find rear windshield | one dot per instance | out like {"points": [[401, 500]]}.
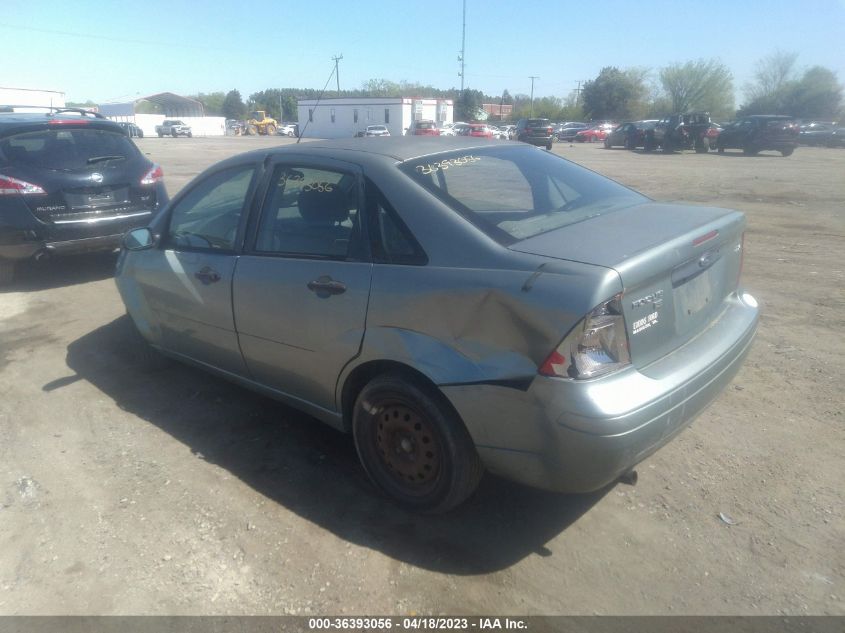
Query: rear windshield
{"points": [[538, 122], [67, 149], [518, 192], [425, 125]]}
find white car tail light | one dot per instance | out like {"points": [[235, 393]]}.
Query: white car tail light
{"points": [[596, 346]]}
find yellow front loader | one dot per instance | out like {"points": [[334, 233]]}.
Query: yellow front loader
{"points": [[260, 123]]}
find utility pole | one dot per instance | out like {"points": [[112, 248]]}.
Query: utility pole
{"points": [[463, 45], [578, 92], [532, 78], [336, 71]]}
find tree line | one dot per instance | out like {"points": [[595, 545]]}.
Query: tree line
{"points": [[778, 87]]}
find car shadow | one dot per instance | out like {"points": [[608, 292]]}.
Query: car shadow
{"points": [[313, 470], [58, 272]]}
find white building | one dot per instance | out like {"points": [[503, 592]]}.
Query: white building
{"points": [[172, 106], [346, 117], [32, 97]]}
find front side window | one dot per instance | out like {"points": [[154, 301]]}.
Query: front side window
{"points": [[207, 218], [517, 192], [310, 212]]}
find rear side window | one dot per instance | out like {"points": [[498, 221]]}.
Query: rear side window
{"points": [[515, 193], [311, 212], [390, 240], [70, 149]]}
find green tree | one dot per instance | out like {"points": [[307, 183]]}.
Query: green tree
{"points": [[467, 105], [212, 102], [771, 75], [817, 95], [699, 85], [614, 94], [233, 106]]}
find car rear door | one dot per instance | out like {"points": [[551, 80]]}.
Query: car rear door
{"points": [[302, 286], [186, 282]]}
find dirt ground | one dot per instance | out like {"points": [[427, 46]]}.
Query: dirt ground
{"points": [[130, 491]]}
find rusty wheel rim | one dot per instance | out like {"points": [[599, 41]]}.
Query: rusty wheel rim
{"points": [[407, 447]]}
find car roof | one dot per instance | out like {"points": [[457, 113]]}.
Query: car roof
{"points": [[31, 121], [363, 149]]}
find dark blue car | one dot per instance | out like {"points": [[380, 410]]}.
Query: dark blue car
{"points": [[70, 181]]}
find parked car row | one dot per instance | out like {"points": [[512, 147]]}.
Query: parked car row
{"points": [[695, 131], [828, 134]]}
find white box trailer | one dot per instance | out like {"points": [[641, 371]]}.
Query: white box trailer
{"points": [[346, 117]]}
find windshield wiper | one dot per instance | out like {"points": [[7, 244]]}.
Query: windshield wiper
{"points": [[100, 159]]}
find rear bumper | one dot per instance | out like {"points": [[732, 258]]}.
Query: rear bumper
{"points": [[578, 436], [541, 141], [20, 244]]}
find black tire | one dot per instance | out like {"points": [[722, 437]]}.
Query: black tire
{"points": [[648, 144], [413, 446], [7, 272], [787, 152], [702, 146], [549, 146], [629, 145], [140, 133]]}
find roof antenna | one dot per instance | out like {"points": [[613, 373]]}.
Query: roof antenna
{"points": [[331, 74]]}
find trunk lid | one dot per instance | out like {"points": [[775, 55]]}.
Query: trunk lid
{"points": [[677, 264]]}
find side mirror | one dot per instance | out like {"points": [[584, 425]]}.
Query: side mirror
{"points": [[138, 240]]}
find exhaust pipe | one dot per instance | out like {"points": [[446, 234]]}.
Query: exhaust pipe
{"points": [[629, 478]]}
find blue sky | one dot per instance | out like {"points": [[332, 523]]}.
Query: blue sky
{"points": [[110, 50]]}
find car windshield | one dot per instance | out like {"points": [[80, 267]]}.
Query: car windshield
{"points": [[518, 192], [425, 125], [67, 149]]}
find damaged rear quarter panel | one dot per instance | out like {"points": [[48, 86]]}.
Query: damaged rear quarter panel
{"points": [[461, 326]]}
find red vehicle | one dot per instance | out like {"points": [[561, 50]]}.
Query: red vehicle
{"points": [[591, 135], [424, 128], [477, 130]]}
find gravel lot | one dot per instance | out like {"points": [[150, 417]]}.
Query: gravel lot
{"points": [[130, 491]]}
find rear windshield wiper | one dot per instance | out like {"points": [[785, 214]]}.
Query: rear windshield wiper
{"points": [[100, 159]]}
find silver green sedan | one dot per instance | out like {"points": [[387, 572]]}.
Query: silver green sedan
{"points": [[456, 305]]}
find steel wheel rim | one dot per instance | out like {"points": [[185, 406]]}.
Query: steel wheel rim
{"points": [[407, 448]]}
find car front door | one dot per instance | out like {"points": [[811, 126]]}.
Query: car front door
{"points": [[302, 285], [186, 281]]}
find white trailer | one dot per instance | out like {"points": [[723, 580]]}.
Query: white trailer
{"points": [[347, 117]]}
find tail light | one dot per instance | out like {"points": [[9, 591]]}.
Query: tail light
{"points": [[548, 130], [596, 346], [154, 175], [11, 186]]}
